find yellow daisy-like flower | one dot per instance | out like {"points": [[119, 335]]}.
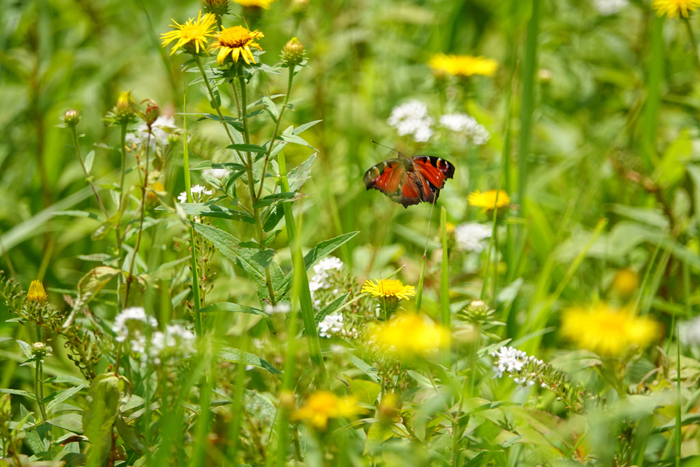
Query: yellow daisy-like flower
{"points": [[489, 199], [193, 33], [36, 292], [324, 405], [389, 288], [409, 335], [463, 65], [607, 330], [675, 8], [236, 41], [264, 4]]}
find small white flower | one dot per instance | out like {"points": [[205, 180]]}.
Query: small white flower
{"points": [[609, 7], [198, 192], [217, 173], [176, 341], [469, 236], [331, 324], [133, 315], [160, 133], [412, 119], [322, 272], [467, 126]]}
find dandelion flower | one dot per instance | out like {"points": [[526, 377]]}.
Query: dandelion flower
{"points": [[192, 33], [463, 65], [489, 200], [675, 8], [409, 336], [264, 4], [607, 330], [389, 288], [36, 292], [237, 42], [324, 405]]}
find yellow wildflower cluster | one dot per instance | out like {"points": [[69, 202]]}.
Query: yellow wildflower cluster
{"points": [[606, 330], [409, 335], [489, 200], [389, 288], [675, 8], [193, 33], [324, 405], [462, 65], [237, 42]]}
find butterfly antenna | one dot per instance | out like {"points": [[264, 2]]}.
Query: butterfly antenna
{"points": [[384, 146]]}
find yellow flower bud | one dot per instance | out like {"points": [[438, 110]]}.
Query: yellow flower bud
{"points": [[293, 53], [36, 292]]}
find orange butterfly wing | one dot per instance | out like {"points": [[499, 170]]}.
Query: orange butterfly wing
{"points": [[434, 169]]}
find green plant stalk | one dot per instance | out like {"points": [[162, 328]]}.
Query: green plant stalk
{"points": [[237, 407], [305, 302], [39, 387], [251, 187], [528, 102], [445, 317], [277, 129], [188, 191], [74, 132], [213, 100], [419, 289], [679, 437], [693, 41], [651, 109], [199, 456]]}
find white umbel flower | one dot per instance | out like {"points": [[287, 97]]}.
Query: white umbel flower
{"points": [[469, 236], [161, 130], [331, 324], [412, 119], [609, 7], [511, 360], [217, 173], [466, 126]]}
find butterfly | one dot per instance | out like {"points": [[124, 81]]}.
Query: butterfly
{"points": [[410, 180]]}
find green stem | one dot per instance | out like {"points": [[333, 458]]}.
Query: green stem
{"points": [[251, 187], [188, 191], [445, 281], [74, 132], [277, 129], [419, 290], [213, 99], [39, 388], [305, 302]]}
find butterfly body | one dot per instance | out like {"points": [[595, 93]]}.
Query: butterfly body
{"points": [[410, 180]]}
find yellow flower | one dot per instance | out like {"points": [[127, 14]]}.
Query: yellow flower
{"points": [[607, 330], [675, 8], [36, 292], [236, 41], [462, 65], [389, 288], [324, 405], [625, 282], [409, 335], [489, 200], [255, 3], [192, 33]]}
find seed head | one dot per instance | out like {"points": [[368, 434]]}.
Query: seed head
{"points": [[293, 53]]}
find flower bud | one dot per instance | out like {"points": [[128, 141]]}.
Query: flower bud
{"points": [[39, 349], [476, 312], [293, 53], [124, 104], [71, 118], [36, 292], [216, 7], [152, 113]]}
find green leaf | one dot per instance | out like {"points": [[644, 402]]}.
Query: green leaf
{"points": [[101, 411], [377, 434], [247, 148], [233, 308], [238, 356], [219, 165], [258, 405], [274, 217], [130, 436], [296, 140], [17, 392], [365, 391], [70, 421], [331, 308], [271, 108], [269, 199], [77, 214], [89, 160], [88, 287], [300, 174], [301, 128], [101, 232], [365, 368], [59, 396], [212, 210]]}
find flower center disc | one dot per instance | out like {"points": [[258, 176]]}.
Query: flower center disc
{"points": [[234, 37]]}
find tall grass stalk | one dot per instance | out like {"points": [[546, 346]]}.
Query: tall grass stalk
{"points": [[651, 109], [445, 317]]}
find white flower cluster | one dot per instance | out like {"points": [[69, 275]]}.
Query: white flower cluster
{"points": [[469, 236], [331, 324], [217, 173], [161, 130], [466, 126], [198, 192], [692, 332], [176, 340], [322, 272], [511, 360], [412, 119], [609, 7], [134, 324]]}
